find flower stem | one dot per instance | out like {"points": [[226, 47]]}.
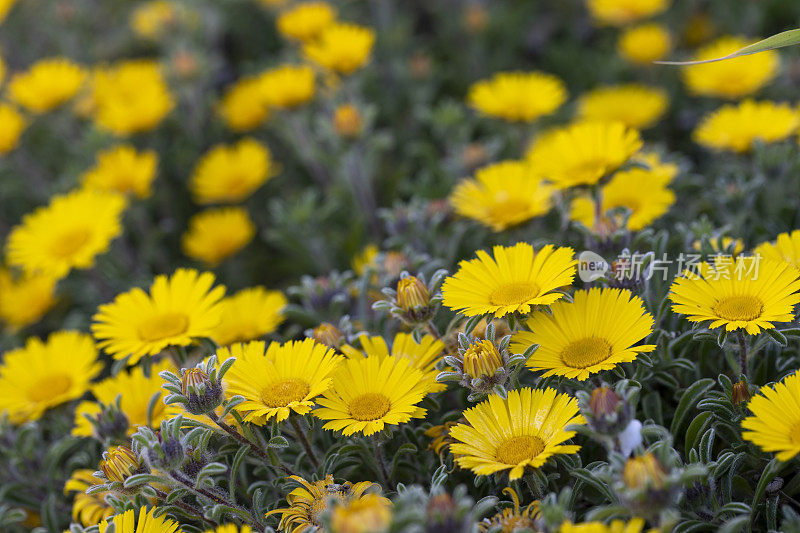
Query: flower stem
{"points": [[301, 436], [381, 459], [190, 509], [431, 327], [216, 498], [742, 351], [244, 440]]}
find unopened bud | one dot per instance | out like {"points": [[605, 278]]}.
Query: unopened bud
{"points": [[347, 121], [412, 294], [202, 393], [328, 334], [482, 359], [740, 392], [119, 463], [644, 471], [604, 401]]}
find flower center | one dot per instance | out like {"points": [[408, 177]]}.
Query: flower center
{"points": [[282, 393], [50, 387], [369, 406], [514, 293], [69, 242], [743, 307], [518, 449], [586, 352], [163, 326]]}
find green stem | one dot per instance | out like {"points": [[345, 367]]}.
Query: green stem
{"points": [[742, 351], [191, 510], [216, 498], [381, 459], [244, 440], [301, 436]]}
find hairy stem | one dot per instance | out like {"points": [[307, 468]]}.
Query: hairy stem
{"points": [[301, 436]]}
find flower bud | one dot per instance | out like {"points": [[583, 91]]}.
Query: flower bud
{"points": [[167, 454], [740, 392], [202, 393], [328, 334], [347, 121], [119, 463], [604, 401], [370, 513], [412, 294], [482, 359], [644, 472]]}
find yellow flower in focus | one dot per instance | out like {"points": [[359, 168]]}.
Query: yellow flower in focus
{"points": [[347, 121], [286, 86], [47, 84], [644, 44], [369, 393], [12, 125], [733, 78], [521, 431], [750, 293], [503, 195], [774, 425], [440, 437], [87, 509], [231, 173], [178, 309], [217, 234], [124, 170], [305, 20], [5, 7], [342, 48], [515, 280], [518, 96], [584, 152], [786, 248], [635, 525], [25, 298], [622, 12], [147, 523], [249, 314], [636, 106], [131, 97], [69, 233], [151, 19], [136, 392], [280, 379], [371, 513], [738, 127], [42, 375], [242, 107], [576, 341]]}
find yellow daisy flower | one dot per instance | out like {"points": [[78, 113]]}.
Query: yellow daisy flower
{"points": [[87, 509], [523, 430], [584, 152], [278, 379], [286, 86], [231, 173], [661, 172], [306, 20], [644, 44], [177, 310], [512, 519], [130, 97], [216, 234], [518, 96], [622, 12], [751, 293], [342, 48], [369, 514], [136, 391], [47, 84], [230, 528], [513, 281], [124, 170], [69, 233], [503, 195], [720, 244], [249, 314], [422, 355], [732, 78], [5, 7], [774, 425], [637, 190], [24, 299], [150, 20], [368, 393], [45, 374], [637, 106], [366, 259], [242, 106], [147, 523], [635, 525], [738, 127], [312, 498], [595, 332], [12, 124], [786, 248]]}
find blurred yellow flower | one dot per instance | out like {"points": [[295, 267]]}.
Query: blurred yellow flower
{"points": [[130, 97], [343, 48], [644, 44], [518, 96], [12, 125], [24, 299], [347, 121], [150, 19], [217, 234], [622, 12], [2, 69], [87, 509], [124, 170], [178, 309], [372, 513], [660, 171], [249, 314], [305, 20], [738, 128], [733, 78], [367, 258], [47, 84], [5, 7], [637, 106], [503, 195], [243, 106], [635, 525], [584, 152], [231, 173], [786, 248], [69, 233], [286, 86], [42, 375]]}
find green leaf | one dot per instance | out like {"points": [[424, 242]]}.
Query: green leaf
{"points": [[780, 40], [593, 481], [689, 399], [778, 337], [769, 473], [697, 426]]}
